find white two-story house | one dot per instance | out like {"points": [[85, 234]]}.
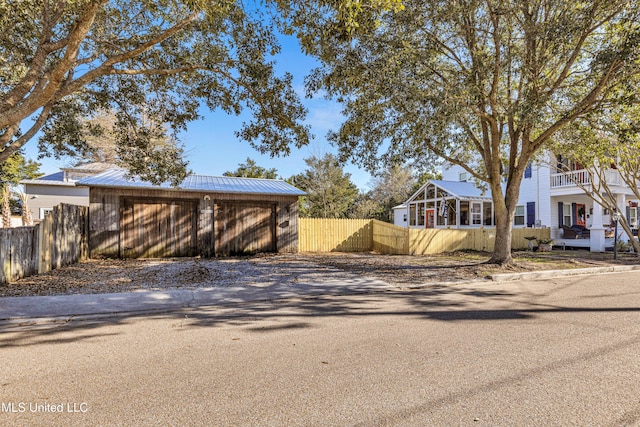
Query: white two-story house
{"points": [[547, 199], [572, 208]]}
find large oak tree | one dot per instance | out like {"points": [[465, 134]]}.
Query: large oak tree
{"points": [[157, 60], [481, 83], [154, 62]]}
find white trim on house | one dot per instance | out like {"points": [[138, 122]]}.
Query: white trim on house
{"points": [[449, 204]]}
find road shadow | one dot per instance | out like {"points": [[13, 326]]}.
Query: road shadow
{"points": [[459, 303]]}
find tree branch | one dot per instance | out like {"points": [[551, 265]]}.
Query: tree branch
{"points": [[446, 50], [24, 138], [37, 65], [106, 67], [495, 20], [586, 104], [27, 106], [577, 49], [8, 134]]}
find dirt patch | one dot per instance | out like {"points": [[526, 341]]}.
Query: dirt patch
{"points": [[105, 276], [406, 270], [128, 275]]}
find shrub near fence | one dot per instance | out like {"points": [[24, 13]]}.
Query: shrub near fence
{"points": [[59, 239], [328, 235]]}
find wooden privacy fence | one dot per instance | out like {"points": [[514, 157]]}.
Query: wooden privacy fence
{"points": [[59, 239], [390, 239], [329, 234], [348, 235], [433, 241]]}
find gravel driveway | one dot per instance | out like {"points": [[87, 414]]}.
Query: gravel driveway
{"points": [[115, 275], [125, 275]]}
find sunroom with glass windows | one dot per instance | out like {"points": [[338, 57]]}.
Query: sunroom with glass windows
{"points": [[450, 204]]}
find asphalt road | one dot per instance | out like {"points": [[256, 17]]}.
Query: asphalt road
{"points": [[564, 351]]}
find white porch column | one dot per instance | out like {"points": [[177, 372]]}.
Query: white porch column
{"points": [[597, 229]]}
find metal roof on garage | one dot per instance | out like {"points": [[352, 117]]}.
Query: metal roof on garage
{"points": [[119, 178]]}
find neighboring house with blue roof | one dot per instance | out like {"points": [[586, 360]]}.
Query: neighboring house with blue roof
{"points": [[50, 190], [204, 215]]}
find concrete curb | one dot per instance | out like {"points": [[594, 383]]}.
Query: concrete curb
{"points": [[443, 284], [32, 310], [531, 275], [39, 310], [7, 323], [549, 274]]}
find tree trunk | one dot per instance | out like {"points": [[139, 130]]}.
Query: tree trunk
{"points": [[27, 218], [502, 248], [504, 205], [6, 207]]}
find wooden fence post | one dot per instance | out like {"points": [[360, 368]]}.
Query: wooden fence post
{"points": [[5, 255]]}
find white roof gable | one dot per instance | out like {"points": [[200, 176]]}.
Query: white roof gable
{"points": [[458, 189]]}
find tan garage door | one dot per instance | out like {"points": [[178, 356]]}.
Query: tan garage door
{"points": [[245, 228], [158, 228]]}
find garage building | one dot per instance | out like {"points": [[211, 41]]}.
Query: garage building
{"points": [[204, 215]]}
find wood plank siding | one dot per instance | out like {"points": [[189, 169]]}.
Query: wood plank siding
{"points": [[245, 227], [155, 223], [152, 228]]}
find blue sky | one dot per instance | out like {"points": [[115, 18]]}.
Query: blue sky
{"points": [[212, 148]]}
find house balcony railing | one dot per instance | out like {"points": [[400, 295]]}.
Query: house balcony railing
{"points": [[570, 179], [582, 177]]}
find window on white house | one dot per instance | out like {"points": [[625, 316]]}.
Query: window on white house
{"points": [[463, 177], [633, 217], [566, 215], [476, 213], [488, 213], [420, 215], [464, 213], [519, 217], [431, 192], [451, 215], [412, 214]]}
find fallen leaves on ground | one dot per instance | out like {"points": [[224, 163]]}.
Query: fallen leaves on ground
{"points": [[127, 275]]}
